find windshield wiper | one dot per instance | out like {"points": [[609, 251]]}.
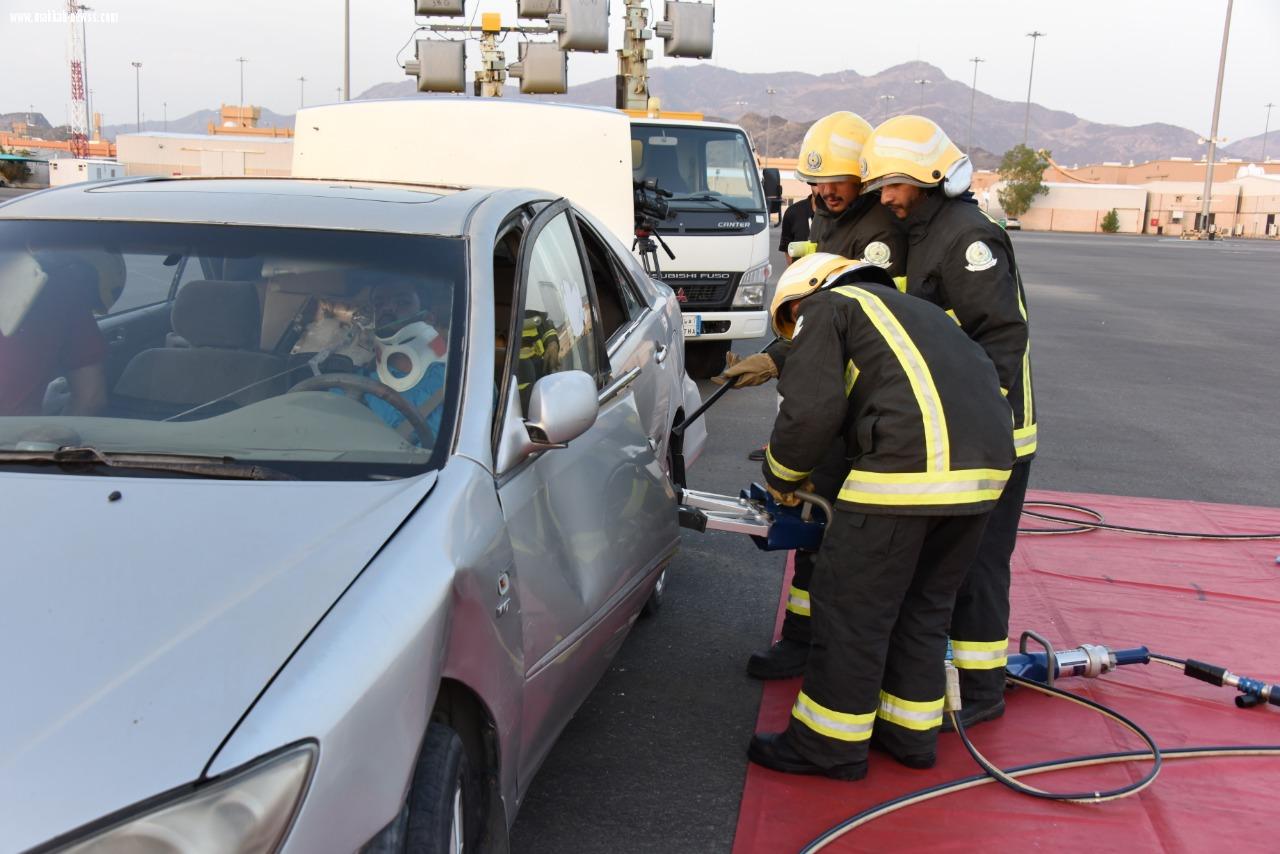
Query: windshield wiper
{"points": [[707, 197], [191, 464]]}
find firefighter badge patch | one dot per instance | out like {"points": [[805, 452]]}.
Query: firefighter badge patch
{"points": [[877, 253], [979, 257], [814, 160]]}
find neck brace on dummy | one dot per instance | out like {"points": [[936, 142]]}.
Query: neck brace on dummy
{"points": [[420, 343]]}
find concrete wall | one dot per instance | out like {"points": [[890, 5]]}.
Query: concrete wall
{"points": [[196, 154]]}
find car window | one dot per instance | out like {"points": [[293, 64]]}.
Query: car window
{"points": [[558, 330], [358, 376], [615, 294], [148, 279]]}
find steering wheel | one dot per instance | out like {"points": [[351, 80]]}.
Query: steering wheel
{"points": [[355, 386]]}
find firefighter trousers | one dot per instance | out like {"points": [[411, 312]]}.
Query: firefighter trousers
{"points": [[980, 624], [883, 590], [827, 479]]}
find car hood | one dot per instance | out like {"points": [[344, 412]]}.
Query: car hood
{"points": [[138, 629]]}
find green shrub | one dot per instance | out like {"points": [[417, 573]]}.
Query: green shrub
{"points": [[1111, 222]]}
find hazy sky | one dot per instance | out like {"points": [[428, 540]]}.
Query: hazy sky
{"points": [[1122, 61]]}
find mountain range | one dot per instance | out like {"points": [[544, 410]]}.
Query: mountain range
{"points": [[777, 122]]}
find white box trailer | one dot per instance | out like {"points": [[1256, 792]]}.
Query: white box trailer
{"points": [[73, 170]]}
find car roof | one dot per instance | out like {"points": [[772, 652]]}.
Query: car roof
{"points": [[285, 202]]}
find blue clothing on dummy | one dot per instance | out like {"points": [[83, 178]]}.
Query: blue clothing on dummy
{"points": [[432, 381]]}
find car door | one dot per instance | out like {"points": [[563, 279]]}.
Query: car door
{"points": [[589, 521], [637, 336]]}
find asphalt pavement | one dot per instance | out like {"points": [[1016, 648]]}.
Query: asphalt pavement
{"points": [[1156, 375]]}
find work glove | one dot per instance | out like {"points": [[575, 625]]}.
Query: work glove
{"points": [[790, 499], [756, 369]]}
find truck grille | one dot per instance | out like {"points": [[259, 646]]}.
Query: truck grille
{"points": [[701, 290]]}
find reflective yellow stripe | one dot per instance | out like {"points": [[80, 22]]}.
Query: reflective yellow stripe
{"points": [[833, 724], [951, 313], [937, 445], [1004, 392], [1024, 440], [911, 714], [798, 602], [979, 655], [850, 377], [781, 471], [964, 486], [900, 282]]}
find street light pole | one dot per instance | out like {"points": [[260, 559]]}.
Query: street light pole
{"points": [[1213, 130], [302, 92], [84, 71], [137, 91], [884, 101], [242, 61], [973, 96], [768, 132], [346, 51], [922, 83], [1034, 35], [1266, 131]]}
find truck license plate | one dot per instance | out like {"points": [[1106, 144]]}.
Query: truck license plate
{"points": [[692, 325]]}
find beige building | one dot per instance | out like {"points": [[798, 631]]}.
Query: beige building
{"points": [[198, 154], [1168, 169]]}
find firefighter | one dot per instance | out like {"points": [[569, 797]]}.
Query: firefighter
{"points": [[919, 409], [853, 225], [962, 261]]}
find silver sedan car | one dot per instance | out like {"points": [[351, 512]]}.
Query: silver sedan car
{"points": [[323, 507]]}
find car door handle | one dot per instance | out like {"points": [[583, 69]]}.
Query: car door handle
{"points": [[660, 354]]}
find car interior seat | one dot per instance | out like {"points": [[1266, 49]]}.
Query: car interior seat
{"points": [[222, 321]]}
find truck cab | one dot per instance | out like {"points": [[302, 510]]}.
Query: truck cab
{"points": [[718, 228]]}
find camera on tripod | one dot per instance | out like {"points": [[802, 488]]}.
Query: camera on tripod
{"points": [[651, 205]]}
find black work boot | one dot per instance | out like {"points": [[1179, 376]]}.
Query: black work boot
{"points": [[784, 659], [918, 761], [772, 750], [973, 714]]}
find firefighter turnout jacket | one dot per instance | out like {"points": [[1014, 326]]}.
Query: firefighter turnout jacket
{"points": [[918, 404], [865, 229], [962, 261]]}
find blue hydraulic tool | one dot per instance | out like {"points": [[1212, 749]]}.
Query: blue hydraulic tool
{"points": [[771, 526], [1088, 660]]}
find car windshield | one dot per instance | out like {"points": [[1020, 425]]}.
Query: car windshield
{"points": [[697, 165], [323, 354]]}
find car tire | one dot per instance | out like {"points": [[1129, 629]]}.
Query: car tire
{"points": [[653, 604], [705, 359], [444, 800]]}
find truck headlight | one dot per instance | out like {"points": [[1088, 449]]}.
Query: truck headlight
{"points": [[751, 286], [248, 811]]}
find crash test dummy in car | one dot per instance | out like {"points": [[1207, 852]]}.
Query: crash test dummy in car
{"points": [[919, 410], [963, 262]]}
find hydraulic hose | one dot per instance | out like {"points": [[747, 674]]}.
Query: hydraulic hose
{"points": [[1080, 526], [1095, 797], [910, 799]]}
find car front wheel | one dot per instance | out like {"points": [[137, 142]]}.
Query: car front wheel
{"points": [[444, 803]]}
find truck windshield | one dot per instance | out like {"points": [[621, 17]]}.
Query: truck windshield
{"points": [[698, 165], [144, 338]]}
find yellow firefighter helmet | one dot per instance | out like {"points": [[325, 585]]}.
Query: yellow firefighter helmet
{"points": [[809, 275], [914, 150], [832, 147]]}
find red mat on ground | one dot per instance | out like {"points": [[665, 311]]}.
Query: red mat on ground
{"points": [[1210, 600]]}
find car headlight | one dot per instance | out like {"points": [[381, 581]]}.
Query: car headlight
{"points": [[751, 286], [250, 810]]}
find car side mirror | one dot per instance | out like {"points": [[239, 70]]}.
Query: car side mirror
{"points": [[562, 407]]}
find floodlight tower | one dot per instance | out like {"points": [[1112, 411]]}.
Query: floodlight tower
{"points": [[687, 31], [79, 119]]}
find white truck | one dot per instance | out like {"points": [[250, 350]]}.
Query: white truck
{"points": [[718, 229]]}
